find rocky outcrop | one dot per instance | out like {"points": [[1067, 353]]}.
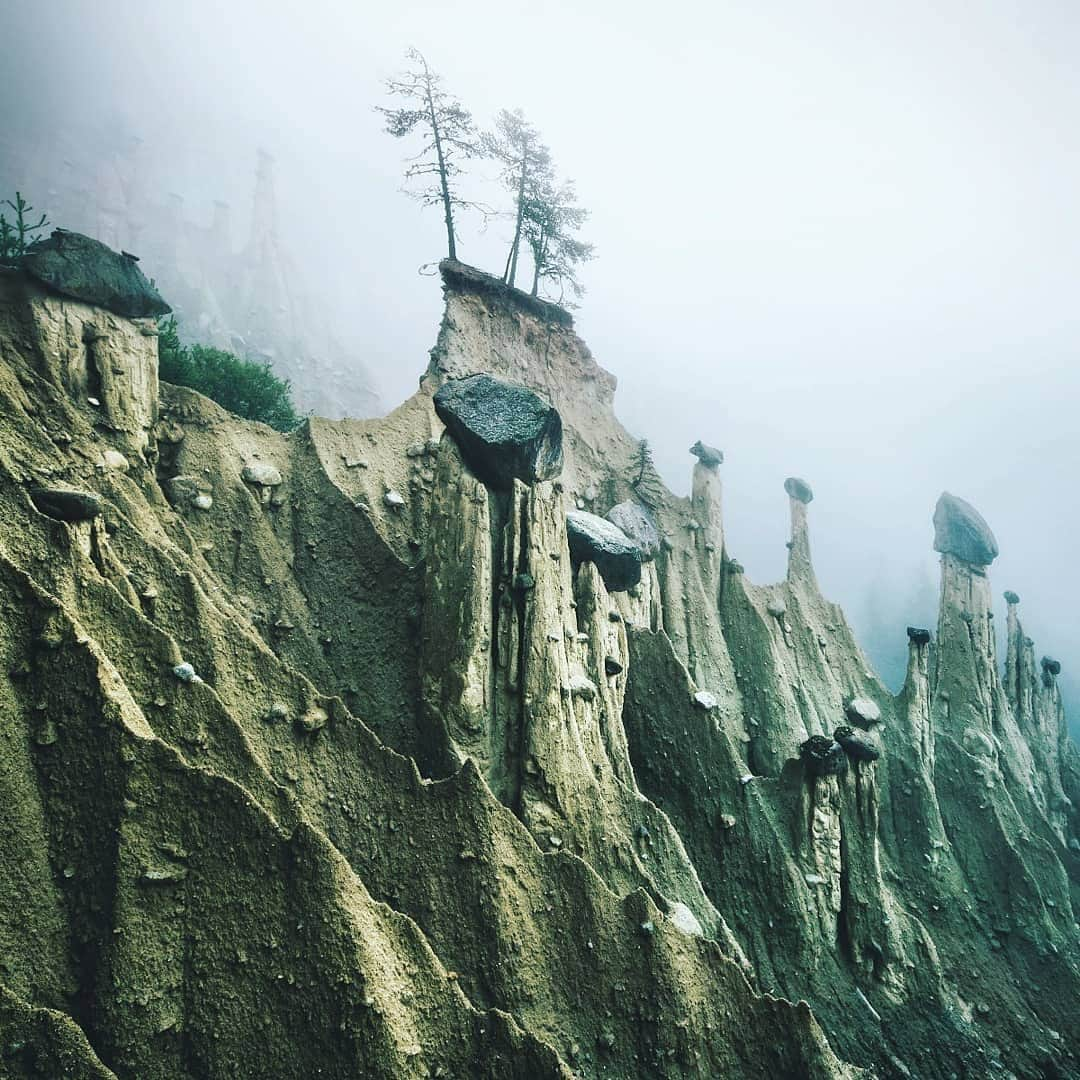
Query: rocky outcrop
{"points": [[84, 269]]}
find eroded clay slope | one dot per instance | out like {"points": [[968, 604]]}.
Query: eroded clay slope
{"points": [[212, 865]]}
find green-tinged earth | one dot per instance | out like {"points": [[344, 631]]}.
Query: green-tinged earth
{"points": [[321, 758]]}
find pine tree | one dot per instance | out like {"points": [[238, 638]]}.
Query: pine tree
{"points": [[526, 165], [550, 219], [448, 134], [642, 475], [17, 236]]}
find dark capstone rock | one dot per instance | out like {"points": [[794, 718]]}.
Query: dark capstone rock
{"points": [[822, 756], [1051, 666], [84, 269], [918, 635], [707, 455], [504, 430], [65, 504], [799, 489], [593, 539], [612, 666], [856, 748], [960, 530], [639, 525], [1011, 597]]}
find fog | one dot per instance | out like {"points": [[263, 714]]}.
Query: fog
{"points": [[838, 240]]}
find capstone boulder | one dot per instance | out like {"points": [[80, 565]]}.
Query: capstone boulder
{"points": [[596, 540], [639, 525], [504, 430], [960, 530], [86, 269]]}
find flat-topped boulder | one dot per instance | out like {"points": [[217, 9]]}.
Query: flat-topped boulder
{"points": [[85, 269], [960, 530], [596, 540], [504, 430], [639, 525]]}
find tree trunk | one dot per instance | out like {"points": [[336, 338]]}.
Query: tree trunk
{"points": [[520, 216], [443, 183]]}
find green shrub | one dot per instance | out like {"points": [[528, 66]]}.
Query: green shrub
{"points": [[244, 387]]}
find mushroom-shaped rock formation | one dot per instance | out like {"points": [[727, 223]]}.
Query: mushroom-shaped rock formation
{"points": [[504, 430], [639, 526], [918, 635], [856, 747], [66, 504], [960, 530], [862, 711], [823, 756], [1051, 666], [707, 455], [593, 539], [799, 490], [1011, 597], [84, 269]]}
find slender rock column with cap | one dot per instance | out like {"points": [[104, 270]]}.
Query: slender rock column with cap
{"points": [[707, 504], [800, 566]]}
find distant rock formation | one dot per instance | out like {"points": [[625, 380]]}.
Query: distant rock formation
{"points": [[251, 301], [960, 530]]}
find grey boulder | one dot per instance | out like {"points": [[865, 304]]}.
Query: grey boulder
{"points": [[593, 539], [707, 455], [960, 530], [638, 524], [504, 430], [799, 489], [85, 269]]}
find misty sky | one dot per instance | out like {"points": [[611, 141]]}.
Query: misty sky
{"points": [[839, 240]]}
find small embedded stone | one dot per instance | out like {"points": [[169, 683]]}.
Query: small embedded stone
{"points": [[277, 712], [313, 720], [186, 673], [66, 504], [262, 473], [582, 687], [612, 666], [705, 699], [113, 459], [863, 712], [394, 499]]}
